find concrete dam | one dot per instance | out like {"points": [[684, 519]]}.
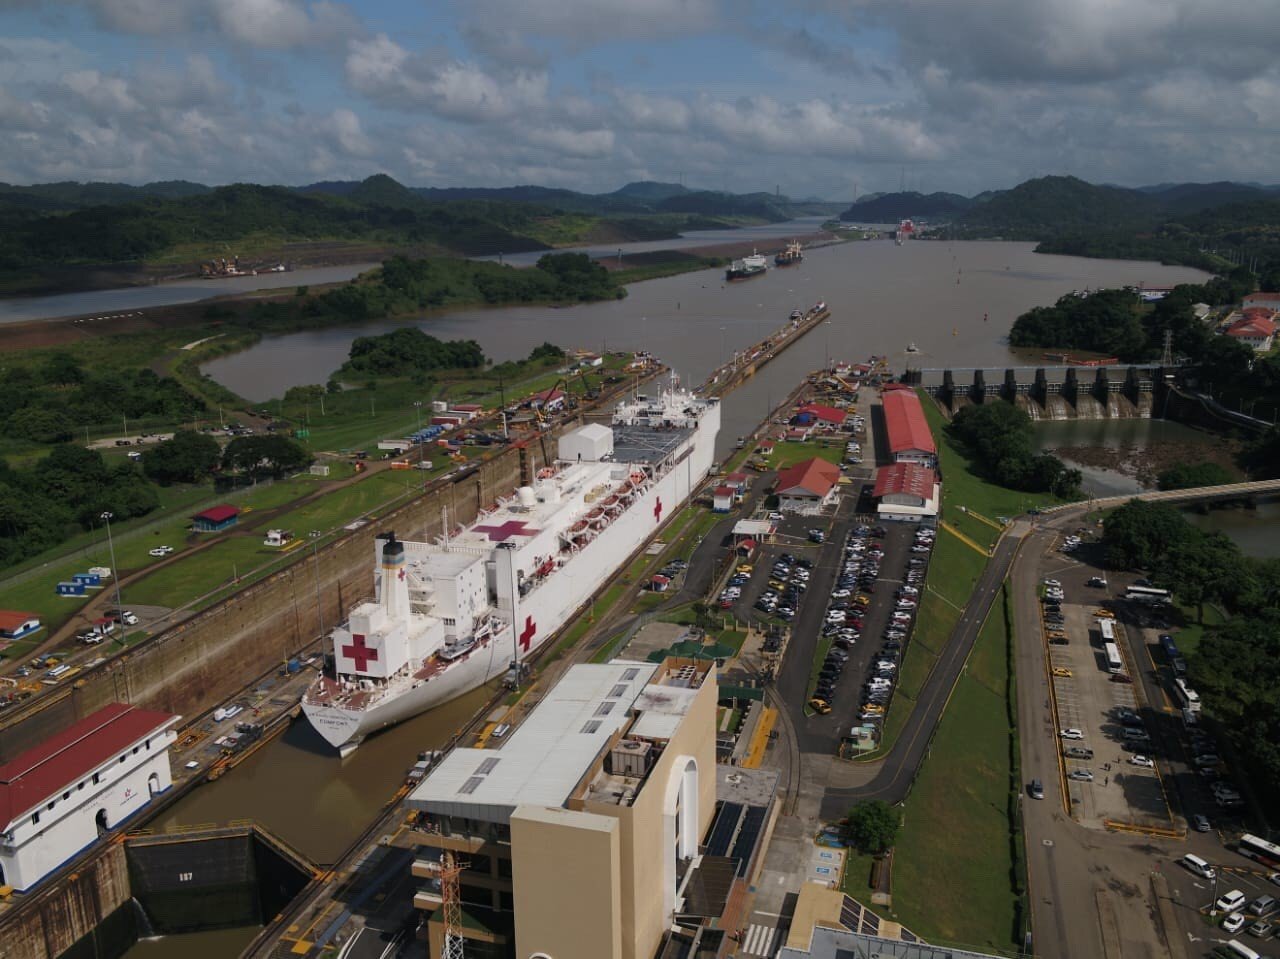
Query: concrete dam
{"points": [[1053, 392]]}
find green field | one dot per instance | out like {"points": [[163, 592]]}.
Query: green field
{"points": [[788, 454], [954, 861]]}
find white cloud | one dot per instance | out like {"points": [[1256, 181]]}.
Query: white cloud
{"points": [[574, 143], [581, 23], [384, 71]]}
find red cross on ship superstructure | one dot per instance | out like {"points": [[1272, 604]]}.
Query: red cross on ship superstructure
{"points": [[358, 651], [657, 511], [504, 531], [526, 635]]}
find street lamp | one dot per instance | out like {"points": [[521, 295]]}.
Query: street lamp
{"points": [[115, 572], [417, 406]]}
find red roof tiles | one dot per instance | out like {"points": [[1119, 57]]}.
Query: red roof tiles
{"points": [[218, 514], [11, 619], [814, 477], [41, 772], [828, 414], [905, 423], [905, 478]]}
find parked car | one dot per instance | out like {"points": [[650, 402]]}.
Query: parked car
{"points": [[161, 551]]}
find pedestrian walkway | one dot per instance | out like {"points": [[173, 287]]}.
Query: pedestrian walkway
{"points": [[761, 940]]}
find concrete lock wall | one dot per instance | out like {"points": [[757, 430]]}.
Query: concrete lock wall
{"points": [[195, 665], [48, 924]]}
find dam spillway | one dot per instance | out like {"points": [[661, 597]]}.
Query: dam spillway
{"points": [[1050, 392]]}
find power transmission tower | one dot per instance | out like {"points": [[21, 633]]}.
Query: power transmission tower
{"points": [[1166, 358]]}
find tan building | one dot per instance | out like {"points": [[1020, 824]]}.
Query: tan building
{"points": [[579, 827]]}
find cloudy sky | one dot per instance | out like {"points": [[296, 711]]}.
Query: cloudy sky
{"points": [[815, 96]]}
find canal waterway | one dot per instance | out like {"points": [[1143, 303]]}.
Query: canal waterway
{"points": [[954, 301], [882, 297], [105, 302]]}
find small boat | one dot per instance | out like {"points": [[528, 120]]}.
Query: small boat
{"points": [[912, 348]]}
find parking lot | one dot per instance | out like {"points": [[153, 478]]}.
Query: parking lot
{"points": [[870, 590], [1109, 763]]}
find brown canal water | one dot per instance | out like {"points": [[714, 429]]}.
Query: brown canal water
{"points": [[882, 297]]}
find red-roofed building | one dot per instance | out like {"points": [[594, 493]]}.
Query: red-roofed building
{"points": [[831, 415], [723, 498], [807, 487], [215, 518], [1257, 329], [910, 440], [905, 491], [14, 624], [59, 796], [1269, 300], [548, 400]]}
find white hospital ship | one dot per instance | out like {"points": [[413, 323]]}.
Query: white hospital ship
{"points": [[453, 614]]}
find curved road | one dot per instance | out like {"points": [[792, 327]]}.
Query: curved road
{"points": [[895, 773]]}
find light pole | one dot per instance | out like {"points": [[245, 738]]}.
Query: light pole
{"points": [[115, 574], [417, 406]]}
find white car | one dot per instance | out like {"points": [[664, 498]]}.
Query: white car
{"points": [[1081, 775], [161, 551], [1144, 761], [1231, 901], [1233, 922], [1071, 733], [1052, 582]]}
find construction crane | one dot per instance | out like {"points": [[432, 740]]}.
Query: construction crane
{"points": [[451, 904]]}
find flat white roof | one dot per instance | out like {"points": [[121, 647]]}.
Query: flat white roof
{"points": [[663, 709], [543, 760], [752, 527]]}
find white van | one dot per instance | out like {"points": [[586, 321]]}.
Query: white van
{"points": [[1238, 948], [1199, 866]]}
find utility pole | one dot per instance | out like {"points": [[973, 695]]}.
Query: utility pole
{"points": [[115, 574]]}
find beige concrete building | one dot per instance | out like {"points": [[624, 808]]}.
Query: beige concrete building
{"points": [[579, 827]]}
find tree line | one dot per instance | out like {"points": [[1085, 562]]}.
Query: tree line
{"points": [[1236, 669], [1000, 441]]}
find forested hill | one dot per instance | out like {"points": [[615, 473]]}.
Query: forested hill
{"points": [[61, 226], [888, 207]]}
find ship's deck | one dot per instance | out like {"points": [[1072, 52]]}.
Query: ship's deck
{"points": [[644, 444]]}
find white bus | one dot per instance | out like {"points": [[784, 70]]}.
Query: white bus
{"points": [[1148, 594], [1107, 628], [1114, 663], [1259, 850], [1187, 697]]}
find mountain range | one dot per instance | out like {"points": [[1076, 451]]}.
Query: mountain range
{"points": [[1054, 205]]}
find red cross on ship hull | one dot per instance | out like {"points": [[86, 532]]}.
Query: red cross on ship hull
{"points": [[526, 635], [362, 655], [504, 531], [657, 511]]}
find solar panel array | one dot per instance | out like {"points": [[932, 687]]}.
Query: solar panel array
{"points": [[748, 836], [724, 828]]}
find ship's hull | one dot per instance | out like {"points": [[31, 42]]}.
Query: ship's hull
{"points": [[781, 260], [549, 606], [744, 274]]}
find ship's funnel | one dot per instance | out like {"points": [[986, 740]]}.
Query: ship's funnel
{"points": [[395, 588]]}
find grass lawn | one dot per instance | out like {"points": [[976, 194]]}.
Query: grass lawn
{"points": [[788, 454], [1189, 637], [953, 860]]}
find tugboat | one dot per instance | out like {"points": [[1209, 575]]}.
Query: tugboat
{"points": [[748, 266], [912, 348], [794, 253]]}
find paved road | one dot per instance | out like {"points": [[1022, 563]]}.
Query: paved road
{"points": [[895, 772]]}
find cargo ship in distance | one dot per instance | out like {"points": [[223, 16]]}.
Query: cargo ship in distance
{"points": [[748, 266], [451, 615], [793, 254]]}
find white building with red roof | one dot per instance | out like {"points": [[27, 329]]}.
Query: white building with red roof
{"points": [[910, 439], [906, 492], [61, 795], [1256, 328], [807, 487], [1270, 301]]}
